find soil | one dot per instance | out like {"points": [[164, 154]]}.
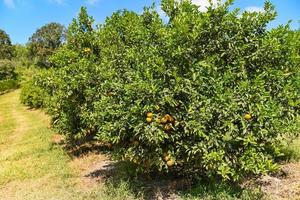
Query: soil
{"points": [[283, 186]]}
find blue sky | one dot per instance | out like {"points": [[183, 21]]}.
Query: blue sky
{"points": [[21, 18]]}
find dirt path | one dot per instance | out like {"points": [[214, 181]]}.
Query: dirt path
{"points": [[285, 187]]}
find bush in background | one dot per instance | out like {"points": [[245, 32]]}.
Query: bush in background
{"points": [[8, 76]]}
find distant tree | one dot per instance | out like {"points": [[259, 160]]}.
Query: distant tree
{"points": [[45, 41], [21, 55], [6, 48]]}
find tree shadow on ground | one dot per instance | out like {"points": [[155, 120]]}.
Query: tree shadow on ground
{"points": [[156, 185], [168, 186]]}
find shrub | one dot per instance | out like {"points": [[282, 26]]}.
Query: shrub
{"points": [[6, 85], [213, 93], [32, 95], [8, 76], [7, 70], [36, 93]]}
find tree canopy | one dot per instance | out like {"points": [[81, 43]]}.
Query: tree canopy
{"points": [[6, 47], [45, 41]]}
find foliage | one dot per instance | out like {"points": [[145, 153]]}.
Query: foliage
{"points": [[6, 48], [21, 56], [33, 93], [32, 96], [7, 70], [8, 76], [7, 85], [45, 41], [213, 93]]}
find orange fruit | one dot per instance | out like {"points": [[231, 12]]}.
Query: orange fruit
{"points": [[247, 116], [170, 163], [87, 50], [158, 121], [167, 158], [148, 119], [109, 145], [149, 114], [165, 154], [169, 118], [163, 120]]}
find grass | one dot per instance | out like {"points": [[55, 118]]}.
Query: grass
{"points": [[221, 191], [33, 168]]}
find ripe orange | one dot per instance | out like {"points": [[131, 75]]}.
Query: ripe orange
{"points": [[158, 120], [170, 118], [149, 120], [247, 116], [149, 114], [163, 120], [87, 50], [165, 154], [167, 158], [170, 163]]}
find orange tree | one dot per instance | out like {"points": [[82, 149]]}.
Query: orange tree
{"points": [[210, 92]]}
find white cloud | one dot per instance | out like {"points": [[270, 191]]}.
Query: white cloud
{"points": [[92, 2], [9, 3], [204, 4], [254, 9]]}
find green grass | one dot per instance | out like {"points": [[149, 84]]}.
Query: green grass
{"points": [[292, 151], [31, 167], [221, 191]]}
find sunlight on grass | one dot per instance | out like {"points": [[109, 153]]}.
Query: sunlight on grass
{"points": [[31, 167]]}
